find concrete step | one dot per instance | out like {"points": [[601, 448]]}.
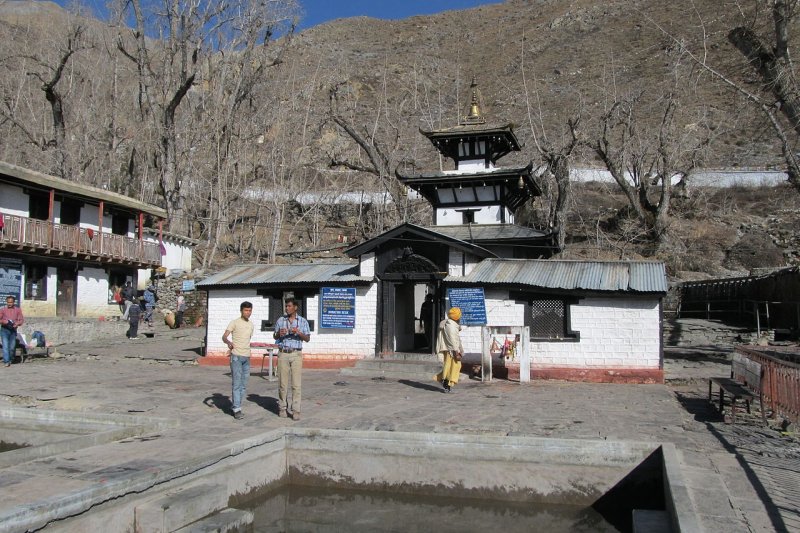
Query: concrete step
{"points": [[229, 520], [409, 356], [393, 369], [176, 509], [645, 521]]}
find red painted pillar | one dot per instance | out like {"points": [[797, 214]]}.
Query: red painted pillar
{"points": [[51, 217], [100, 225]]}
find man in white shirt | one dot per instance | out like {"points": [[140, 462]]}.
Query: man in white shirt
{"points": [[240, 332]]}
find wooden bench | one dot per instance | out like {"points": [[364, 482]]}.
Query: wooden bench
{"points": [[31, 352], [745, 383]]}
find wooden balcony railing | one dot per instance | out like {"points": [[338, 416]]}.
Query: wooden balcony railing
{"points": [[65, 240]]}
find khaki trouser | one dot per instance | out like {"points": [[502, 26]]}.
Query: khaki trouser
{"points": [[290, 366]]}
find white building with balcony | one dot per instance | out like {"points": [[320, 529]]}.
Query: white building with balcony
{"points": [[64, 247]]}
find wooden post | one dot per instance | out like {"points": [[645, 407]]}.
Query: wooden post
{"points": [[758, 318], [141, 233], [51, 217], [100, 224]]}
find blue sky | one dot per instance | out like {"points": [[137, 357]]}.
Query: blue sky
{"points": [[319, 11]]}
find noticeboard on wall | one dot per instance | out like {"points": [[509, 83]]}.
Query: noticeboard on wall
{"points": [[338, 308], [187, 285], [10, 278], [472, 303]]}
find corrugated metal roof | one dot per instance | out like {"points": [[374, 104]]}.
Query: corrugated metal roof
{"points": [[296, 274], [487, 232], [83, 191], [604, 276]]}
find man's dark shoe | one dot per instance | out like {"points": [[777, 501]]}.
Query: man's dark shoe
{"points": [[238, 415]]}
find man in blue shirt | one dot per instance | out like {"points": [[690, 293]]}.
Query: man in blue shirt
{"points": [[290, 331]]}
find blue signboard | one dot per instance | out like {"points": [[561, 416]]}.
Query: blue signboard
{"points": [[472, 303], [10, 278], [188, 285], [338, 307]]}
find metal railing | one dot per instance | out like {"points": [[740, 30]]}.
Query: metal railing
{"points": [[781, 382], [65, 239]]}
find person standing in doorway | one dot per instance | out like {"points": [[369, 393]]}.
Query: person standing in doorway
{"points": [[426, 316], [448, 343], [240, 332], [290, 331], [10, 319], [180, 308]]}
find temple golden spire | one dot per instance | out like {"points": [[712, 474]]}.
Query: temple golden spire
{"points": [[474, 116]]}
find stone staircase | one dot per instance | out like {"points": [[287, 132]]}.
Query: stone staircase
{"points": [[696, 331], [394, 366], [196, 509]]}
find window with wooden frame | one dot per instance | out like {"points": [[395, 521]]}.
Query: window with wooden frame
{"points": [[277, 308], [36, 282], [548, 317]]}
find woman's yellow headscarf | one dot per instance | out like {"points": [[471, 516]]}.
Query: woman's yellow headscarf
{"points": [[454, 313]]}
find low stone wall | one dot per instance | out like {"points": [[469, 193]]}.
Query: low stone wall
{"points": [[699, 332], [58, 331], [196, 301]]}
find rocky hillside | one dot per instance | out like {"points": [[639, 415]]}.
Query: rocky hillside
{"points": [[538, 63]]}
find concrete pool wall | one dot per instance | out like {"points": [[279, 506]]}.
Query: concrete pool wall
{"points": [[206, 485]]}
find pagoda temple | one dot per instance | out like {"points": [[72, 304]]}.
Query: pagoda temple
{"points": [[583, 320], [476, 201]]}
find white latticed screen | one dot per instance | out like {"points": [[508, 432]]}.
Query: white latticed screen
{"points": [[548, 319]]}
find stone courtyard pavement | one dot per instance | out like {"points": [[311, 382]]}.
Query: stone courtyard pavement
{"points": [[741, 477]]}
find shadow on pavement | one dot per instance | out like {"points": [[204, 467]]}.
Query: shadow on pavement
{"points": [[418, 385], [220, 401], [267, 403], [708, 414]]}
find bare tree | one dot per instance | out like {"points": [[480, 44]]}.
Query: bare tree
{"points": [[192, 37], [645, 160], [764, 38], [49, 73], [557, 156], [380, 151]]}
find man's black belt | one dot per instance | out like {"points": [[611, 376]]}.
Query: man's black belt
{"points": [[289, 350]]}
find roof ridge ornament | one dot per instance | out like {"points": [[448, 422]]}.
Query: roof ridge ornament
{"points": [[474, 116]]}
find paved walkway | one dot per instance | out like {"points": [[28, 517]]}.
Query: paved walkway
{"points": [[741, 478]]}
